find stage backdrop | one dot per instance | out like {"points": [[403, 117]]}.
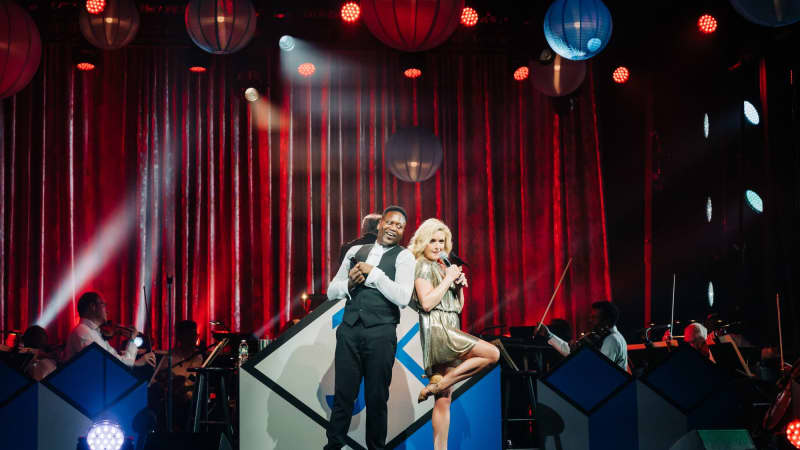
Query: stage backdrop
{"points": [[139, 172]]}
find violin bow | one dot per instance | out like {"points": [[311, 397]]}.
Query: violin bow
{"points": [[780, 331], [553, 297]]}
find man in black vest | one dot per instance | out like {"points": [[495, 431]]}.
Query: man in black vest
{"points": [[377, 280]]}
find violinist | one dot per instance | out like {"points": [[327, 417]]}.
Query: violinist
{"points": [[604, 335], [185, 355], [93, 314], [43, 362]]}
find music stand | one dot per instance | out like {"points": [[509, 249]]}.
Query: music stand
{"points": [[643, 356], [727, 354]]}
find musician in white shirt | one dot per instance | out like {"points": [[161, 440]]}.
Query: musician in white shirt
{"points": [[92, 311], [603, 320]]}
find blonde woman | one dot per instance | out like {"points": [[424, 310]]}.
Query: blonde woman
{"points": [[449, 354]]}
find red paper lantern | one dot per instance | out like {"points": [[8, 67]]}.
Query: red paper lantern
{"points": [[112, 28], [220, 26], [412, 25], [21, 49]]}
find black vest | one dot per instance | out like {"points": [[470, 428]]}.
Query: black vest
{"points": [[368, 304]]}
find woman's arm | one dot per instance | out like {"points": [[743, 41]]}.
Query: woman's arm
{"points": [[430, 296]]}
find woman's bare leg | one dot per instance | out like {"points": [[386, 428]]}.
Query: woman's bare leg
{"points": [[482, 355], [441, 419]]}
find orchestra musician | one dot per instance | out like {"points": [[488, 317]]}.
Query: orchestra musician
{"points": [[93, 314], [185, 355], [43, 362], [696, 335], [604, 335]]}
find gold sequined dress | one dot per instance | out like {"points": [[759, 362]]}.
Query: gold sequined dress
{"points": [[443, 342]]}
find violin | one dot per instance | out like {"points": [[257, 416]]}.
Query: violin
{"points": [[594, 338], [111, 329]]}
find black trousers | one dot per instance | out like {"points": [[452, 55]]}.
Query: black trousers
{"points": [[368, 353]]}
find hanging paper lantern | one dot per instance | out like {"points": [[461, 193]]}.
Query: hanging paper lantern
{"points": [[220, 26], [112, 28], [577, 29], [412, 25], [20, 49], [556, 76], [413, 154], [769, 13]]}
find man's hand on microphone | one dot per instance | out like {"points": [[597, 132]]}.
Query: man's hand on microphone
{"points": [[356, 277], [364, 268]]}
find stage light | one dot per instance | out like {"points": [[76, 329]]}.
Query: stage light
{"points": [[793, 433], [85, 58], [751, 113], [469, 17], [521, 74], [707, 24], [350, 12], [709, 209], [621, 75], [95, 6], [754, 201], [85, 66], [251, 94], [105, 435], [705, 126], [197, 69], [412, 73], [710, 293], [306, 69], [286, 43]]}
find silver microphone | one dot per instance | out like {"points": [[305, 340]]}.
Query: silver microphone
{"points": [[445, 258]]}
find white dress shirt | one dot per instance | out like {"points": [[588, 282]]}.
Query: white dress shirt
{"points": [[397, 291], [614, 347], [87, 332]]}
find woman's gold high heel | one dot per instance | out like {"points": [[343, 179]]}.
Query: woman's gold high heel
{"points": [[427, 391], [435, 380]]}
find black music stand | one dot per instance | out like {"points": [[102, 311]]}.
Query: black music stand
{"points": [[728, 355], [643, 357]]}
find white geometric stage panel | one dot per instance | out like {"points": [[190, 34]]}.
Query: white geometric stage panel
{"points": [[299, 367], [60, 424]]}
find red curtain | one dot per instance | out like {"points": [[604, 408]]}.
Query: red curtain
{"points": [[139, 172]]}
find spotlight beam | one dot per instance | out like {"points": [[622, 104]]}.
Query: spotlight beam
{"points": [[103, 247]]}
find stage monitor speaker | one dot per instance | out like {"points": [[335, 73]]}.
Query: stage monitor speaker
{"points": [[715, 440], [188, 441]]}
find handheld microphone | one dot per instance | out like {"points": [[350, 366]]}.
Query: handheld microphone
{"points": [[445, 258]]}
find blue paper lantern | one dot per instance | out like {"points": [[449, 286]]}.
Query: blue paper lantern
{"points": [[769, 13], [577, 29]]}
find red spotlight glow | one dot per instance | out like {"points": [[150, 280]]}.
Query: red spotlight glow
{"points": [[350, 12], [707, 24], [95, 6], [521, 73], [793, 433], [469, 17], [85, 66], [621, 75], [197, 69], [412, 73], [306, 69]]}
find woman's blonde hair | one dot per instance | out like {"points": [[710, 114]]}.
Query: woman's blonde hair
{"points": [[422, 237]]}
